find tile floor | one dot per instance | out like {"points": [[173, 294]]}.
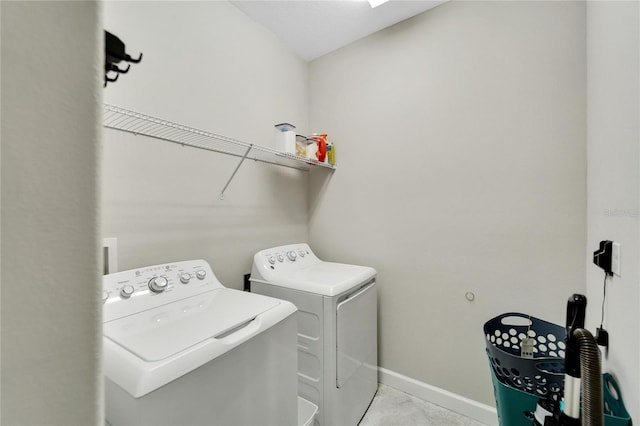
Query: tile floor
{"points": [[391, 407]]}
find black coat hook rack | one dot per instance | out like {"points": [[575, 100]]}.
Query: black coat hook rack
{"points": [[115, 52]]}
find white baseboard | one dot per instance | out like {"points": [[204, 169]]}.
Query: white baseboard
{"points": [[449, 400]]}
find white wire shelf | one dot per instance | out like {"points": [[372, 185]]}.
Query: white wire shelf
{"points": [[139, 124]]}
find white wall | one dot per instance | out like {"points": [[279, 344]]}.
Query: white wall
{"points": [[460, 144], [209, 66], [614, 182], [50, 275]]}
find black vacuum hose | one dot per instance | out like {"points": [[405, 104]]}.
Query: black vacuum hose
{"points": [[592, 400]]}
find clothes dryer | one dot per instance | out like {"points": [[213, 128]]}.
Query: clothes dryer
{"points": [[337, 327], [180, 349]]}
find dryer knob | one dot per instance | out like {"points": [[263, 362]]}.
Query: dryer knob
{"points": [[302, 253], [201, 274], [158, 284], [272, 260], [127, 291], [184, 278], [280, 258], [292, 255]]}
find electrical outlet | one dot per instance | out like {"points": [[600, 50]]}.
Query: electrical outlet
{"points": [[615, 258]]}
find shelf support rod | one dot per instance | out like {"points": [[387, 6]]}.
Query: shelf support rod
{"points": [[244, 157]]}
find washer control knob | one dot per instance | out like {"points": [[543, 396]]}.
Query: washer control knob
{"points": [[127, 291], [292, 255], [201, 274], [158, 284], [280, 258], [272, 260], [105, 295], [184, 278], [302, 253]]}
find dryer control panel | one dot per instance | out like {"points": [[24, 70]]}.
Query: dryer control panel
{"points": [[136, 290], [286, 258]]}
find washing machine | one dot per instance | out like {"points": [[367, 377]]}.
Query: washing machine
{"points": [[337, 327], [181, 349]]}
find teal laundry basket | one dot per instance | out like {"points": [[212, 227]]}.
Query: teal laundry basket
{"points": [[542, 375], [519, 383], [512, 404]]}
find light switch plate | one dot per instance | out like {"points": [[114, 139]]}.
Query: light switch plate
{"points": [[109, 255]]}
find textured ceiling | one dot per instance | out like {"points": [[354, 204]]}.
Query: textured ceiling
{"points": [[313, 28]]}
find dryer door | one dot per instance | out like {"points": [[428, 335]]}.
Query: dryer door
{"points": [[357, 338]]}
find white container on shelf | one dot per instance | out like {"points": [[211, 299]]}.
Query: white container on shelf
{"points": [[286, 138]]}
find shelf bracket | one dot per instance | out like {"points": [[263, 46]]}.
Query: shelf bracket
{"points": [[244, 157]]}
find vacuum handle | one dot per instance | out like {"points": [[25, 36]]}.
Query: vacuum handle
{"points": [[576, 311]]}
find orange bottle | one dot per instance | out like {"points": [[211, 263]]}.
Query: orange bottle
{"points": [[322, 146]]}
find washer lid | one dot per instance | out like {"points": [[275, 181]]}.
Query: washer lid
{"points": [[325, 278], [161, 332]]}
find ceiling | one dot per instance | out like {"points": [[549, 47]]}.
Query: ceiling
{"points": [[312, 28]]}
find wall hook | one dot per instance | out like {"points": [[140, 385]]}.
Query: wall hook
{"points": [[135, 61], [115, 68], [115, 52], [107, 78]]}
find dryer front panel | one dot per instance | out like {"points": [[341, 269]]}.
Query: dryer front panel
{"points": [[357, 339]]}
